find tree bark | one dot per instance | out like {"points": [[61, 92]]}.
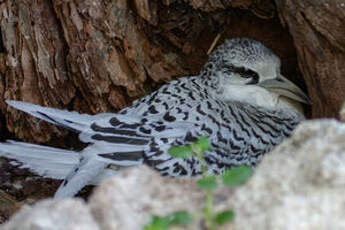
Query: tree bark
{"points": [[97, 56], [318, 30]]}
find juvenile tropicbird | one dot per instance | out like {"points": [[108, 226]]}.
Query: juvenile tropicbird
{"points": [[240, 100]]}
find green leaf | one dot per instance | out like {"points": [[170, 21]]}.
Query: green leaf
{"points": [[207, 183], [225, 216], [183, 151], [158, 223], [203, 143], [181, 218], [237, 176]]}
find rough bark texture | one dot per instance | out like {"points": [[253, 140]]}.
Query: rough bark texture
{"points": [[317, 27], [96, 56], [35, 68]]}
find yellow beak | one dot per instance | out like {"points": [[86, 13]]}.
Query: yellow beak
{"points": [[284, 87]]}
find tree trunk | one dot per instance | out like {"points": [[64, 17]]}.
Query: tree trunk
{"points": [[318, 29], [96, 56]]}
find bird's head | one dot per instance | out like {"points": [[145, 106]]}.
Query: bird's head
{"points": [[246, 70]]}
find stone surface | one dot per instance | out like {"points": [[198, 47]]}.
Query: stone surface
{"points": [[299, 186], [128, 200], [69, 214]]}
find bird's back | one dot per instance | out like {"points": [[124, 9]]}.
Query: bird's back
{"points": [[186, 109]]}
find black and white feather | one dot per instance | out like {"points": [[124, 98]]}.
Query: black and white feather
{"points": [[218, 103]]}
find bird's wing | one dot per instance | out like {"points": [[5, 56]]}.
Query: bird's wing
{"points": [[238, 133], [176, 114], [149, 138], [68, 119], [180, 127]]}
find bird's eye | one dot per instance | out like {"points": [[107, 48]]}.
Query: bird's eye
{"points": [[247, 73], [244, 72]]}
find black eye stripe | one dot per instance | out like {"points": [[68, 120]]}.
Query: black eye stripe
{"points": [[246, 73], [243, 72], [254, 77]]}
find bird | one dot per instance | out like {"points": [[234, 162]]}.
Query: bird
{"points": [[240, 101]]}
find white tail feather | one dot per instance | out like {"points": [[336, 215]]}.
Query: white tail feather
{"points": [[81, 175], [67, 119], [45, 161], [77, 169]]}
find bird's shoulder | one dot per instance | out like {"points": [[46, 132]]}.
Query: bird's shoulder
{"points": [[182, 92]]}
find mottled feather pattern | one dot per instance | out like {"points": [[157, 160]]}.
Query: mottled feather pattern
{"points": [[241, 131]]}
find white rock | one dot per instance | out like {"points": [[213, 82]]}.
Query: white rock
{"points": [[127, 200], [298, 186], [69, 214]]}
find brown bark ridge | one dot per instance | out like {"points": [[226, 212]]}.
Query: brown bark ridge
{"points": [[318, 30], [35, 69], [96, 56]]}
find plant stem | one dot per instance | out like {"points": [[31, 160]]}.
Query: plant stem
{"points": [[200, 155], [209, 211]]}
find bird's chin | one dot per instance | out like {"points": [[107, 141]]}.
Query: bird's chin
{"points": [[288, 102], [250, 94], [286, 93]]}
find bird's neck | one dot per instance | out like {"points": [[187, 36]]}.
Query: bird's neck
{"points": [[207, 77], [252, 95], [295, 105], [258, 97]]}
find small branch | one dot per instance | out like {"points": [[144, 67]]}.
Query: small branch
{"points": [[214, 43]]}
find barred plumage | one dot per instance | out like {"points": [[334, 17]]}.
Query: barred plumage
{"points": [[238, 101]]}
